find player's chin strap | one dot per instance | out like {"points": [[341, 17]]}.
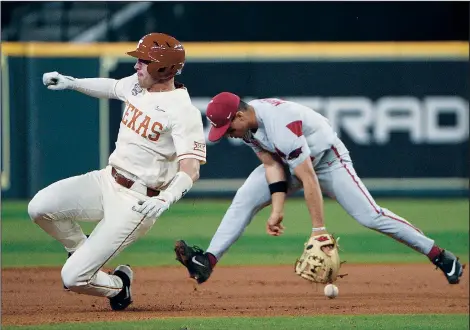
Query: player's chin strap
{"points": [[178, 187]]}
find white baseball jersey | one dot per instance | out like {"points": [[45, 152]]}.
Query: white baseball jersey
{"points": [[290, 130], [295, 132], [157, 130]]}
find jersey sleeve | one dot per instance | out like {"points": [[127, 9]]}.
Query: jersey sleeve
{"points": [[188, 135], [290, 144], [125, 85]]}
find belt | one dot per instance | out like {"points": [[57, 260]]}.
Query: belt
{"points": [[128, 183]]}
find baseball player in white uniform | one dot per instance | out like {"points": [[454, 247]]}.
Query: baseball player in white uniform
{"points": [[298, 149], [159, 149]]}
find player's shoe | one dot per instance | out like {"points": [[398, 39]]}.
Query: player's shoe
{"points": [[123, 298], [195, 260], [68, 256], [450, 266]]}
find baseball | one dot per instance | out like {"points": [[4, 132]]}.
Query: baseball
{"points": [[331, 291]]}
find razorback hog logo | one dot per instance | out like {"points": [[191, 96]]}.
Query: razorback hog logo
{"points": [[292, 155], [295, 154], [322, 238], [140, 126]]}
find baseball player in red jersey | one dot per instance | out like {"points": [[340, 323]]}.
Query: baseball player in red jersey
{"points": [[298, 149], [159, 149]]}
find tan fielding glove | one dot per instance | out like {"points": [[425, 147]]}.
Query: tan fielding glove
{"points": [[316, 265]]}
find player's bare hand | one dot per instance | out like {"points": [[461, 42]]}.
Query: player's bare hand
{"points": [[273, 225], [56, 81], [152, 207]]}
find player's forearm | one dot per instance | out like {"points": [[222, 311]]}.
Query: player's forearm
{"points": [[191, 167], [274, 172], [183, 180], [277, 201], [96, 87], [274, 175], [312, 192], [314, 200]]}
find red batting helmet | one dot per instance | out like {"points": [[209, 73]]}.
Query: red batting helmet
{"points": [[164, 53]]}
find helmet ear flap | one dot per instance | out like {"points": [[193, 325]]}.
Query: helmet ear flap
{"points": [[152, 69], [156, 72]]}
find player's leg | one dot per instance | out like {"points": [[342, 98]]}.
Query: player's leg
{"points": [[120, 227], [343, 184], [340, 181], [251, 197], [57, 207]]}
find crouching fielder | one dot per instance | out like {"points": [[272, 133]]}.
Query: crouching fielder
{"points": [[298, 149]]}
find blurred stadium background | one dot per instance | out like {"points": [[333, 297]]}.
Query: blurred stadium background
{"points": [[392, 77]]}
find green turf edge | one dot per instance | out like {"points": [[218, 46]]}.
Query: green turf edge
{"points": [[25, 244], [390, 321], [164, 260]]}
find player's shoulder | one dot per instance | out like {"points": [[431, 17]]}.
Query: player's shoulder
{"points": [[188, 108], [273, 111], [129, 81], [182, 101], [281, 120], [272, 106], [268, 102], [184, 109], [131, 78]]}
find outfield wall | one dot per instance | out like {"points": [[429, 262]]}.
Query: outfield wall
{"points": [[401, 108]]}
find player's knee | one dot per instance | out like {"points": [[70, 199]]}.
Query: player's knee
{"points": [[69, 277], [36, 207], [369, 220], [72, 278]]}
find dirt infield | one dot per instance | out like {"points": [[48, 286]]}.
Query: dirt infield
{"points": [[35, 296]]}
